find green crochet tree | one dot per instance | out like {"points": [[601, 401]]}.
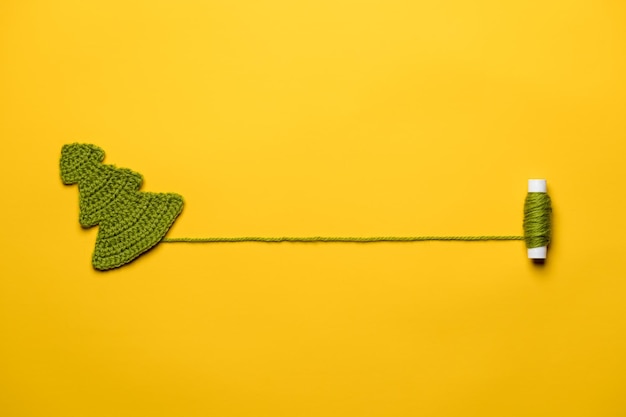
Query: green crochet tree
{"points": [[130, 221]]}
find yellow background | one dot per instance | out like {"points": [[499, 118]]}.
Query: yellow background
{"points": [[317, 117]]}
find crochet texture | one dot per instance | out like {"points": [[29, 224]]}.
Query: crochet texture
{"points": [[130, 221]]}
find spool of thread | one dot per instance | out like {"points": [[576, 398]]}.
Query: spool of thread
{"points": [[537, 219]]}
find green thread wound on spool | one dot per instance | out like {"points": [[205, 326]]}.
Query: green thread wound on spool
{"points": [[537, 220]]}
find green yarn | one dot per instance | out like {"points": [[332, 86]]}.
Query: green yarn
{"points": [[537, 214], [130, 221], [367, 239]]}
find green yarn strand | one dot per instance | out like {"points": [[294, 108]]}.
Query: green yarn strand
{"points": [[367, 239], [537, 220]]}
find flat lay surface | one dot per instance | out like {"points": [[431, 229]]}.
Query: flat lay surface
{"points": [[317, 118]]}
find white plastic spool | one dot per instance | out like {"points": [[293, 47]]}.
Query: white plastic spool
{"points": [[537, 186]]}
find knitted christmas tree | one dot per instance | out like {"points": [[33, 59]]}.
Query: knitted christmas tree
{"points": [[130, 221]]}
